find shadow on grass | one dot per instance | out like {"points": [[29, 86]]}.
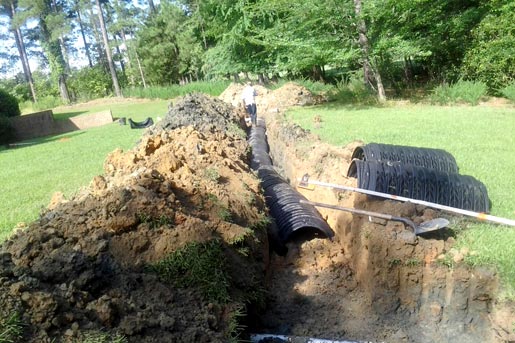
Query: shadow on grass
{"points": [[41, 140]]}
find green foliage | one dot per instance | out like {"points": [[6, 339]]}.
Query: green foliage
{"points": [[394, 262], [214, 88], [353, 91], [492, 56], [90, 83], [45, 87], [199, 265], [413, 262], [6, 130], [8, 105], [212, 174], [11, 328], [46, 103], [101, 337], [225, 214], [446, 261], [509, 91], [235, 329], [159, 46], [154, 222], [462, 91]]}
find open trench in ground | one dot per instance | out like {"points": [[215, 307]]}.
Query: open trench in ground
{"points": [[375, 281]]}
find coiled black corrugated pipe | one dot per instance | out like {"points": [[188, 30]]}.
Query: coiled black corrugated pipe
{"points": [[450, 189], [437, 159], [283, 200]]}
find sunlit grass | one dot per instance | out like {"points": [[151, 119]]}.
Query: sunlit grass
{"points": [[482, 139], [32, 173]]}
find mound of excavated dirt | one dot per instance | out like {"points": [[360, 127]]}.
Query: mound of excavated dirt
{"points": [[291, 94], [203, 113], [83, 267]]}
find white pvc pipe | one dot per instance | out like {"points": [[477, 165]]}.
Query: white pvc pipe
{"points": [[476, 215], [257, 338]]}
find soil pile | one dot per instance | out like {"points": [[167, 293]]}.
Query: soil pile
{"points": [[203, 113], [93, 265], [290, 94]]}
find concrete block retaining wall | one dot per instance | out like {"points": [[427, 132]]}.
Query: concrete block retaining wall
{"points": [[42, 124]]}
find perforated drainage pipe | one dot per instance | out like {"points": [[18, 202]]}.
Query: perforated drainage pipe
{"points": [[437, 159], [282, 199], [450, 189]]}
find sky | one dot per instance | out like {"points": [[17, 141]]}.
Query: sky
{"points": [[8, 47]]}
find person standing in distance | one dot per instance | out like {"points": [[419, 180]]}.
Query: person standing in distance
{"points": [[249, 101]]}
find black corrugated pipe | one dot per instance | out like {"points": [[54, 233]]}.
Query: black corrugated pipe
{"points": [[283, 200], [142, 124], [290, 215], [450, 189], [437, 159]]}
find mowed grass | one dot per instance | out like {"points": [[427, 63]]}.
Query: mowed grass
{"points": [[32, 173], [481, 138]]}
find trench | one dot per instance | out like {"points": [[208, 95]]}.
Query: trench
{"points": [[373, 281]]}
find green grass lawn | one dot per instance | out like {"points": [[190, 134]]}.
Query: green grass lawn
{"points": [[482, 139], [32, 173]]}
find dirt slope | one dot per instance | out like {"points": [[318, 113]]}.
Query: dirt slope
{"points": [[83, 266]]}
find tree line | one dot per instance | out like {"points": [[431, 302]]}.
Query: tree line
{"points": [[390, 44]]}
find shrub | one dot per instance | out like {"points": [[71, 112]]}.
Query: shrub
{"points": [[353, 90], [6, 131], [461, 91], [8, 105], [509, 91], [90, 83], [46, 103]]}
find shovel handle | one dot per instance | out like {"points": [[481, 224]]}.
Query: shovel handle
{"points": [[362, 212]]}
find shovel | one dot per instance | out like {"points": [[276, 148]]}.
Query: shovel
{"points": [[428, 226]]}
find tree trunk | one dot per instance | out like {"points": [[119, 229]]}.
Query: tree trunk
{"points": [[101, 52], [62, 45], [86, 46], [141, 71], [122, 64], [23, 54], [112, 68], [151, 6], [128, 55], [370, 75], [261, 79], [318, 74]]}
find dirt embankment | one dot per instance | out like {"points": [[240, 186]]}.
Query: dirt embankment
{"points": [[376, 281], [83, 267]]}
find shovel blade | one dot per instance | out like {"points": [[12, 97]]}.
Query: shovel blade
{"points": [[431, 225]]}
